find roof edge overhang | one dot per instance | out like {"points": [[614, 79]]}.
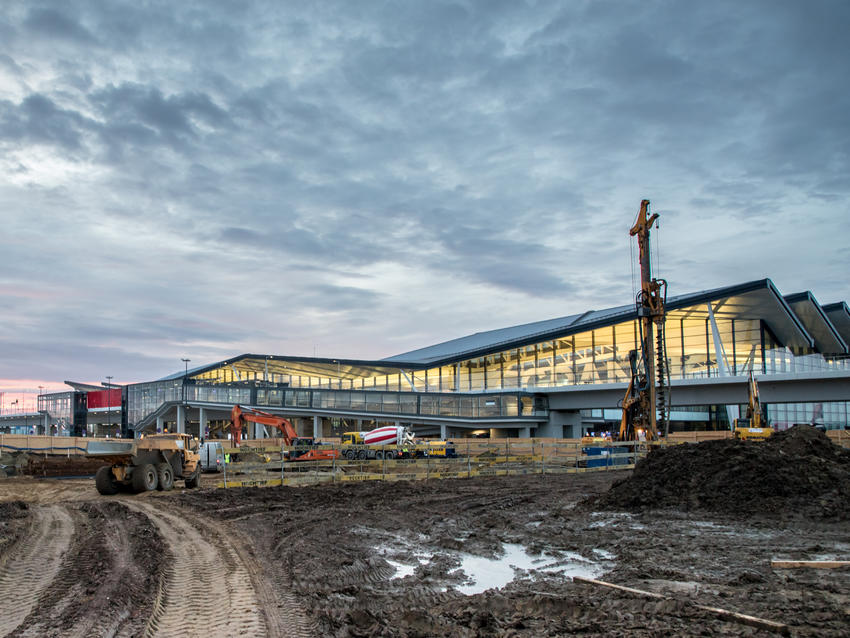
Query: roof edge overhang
{"points": [[794, 318], [838, 305], [274, 357], [839, 317], [809, 298], [85, 387]]}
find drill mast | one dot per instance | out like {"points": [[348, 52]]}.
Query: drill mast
{"points": [[645, 401]]}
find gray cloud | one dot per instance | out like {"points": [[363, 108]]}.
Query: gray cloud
{"points": [[56, 24], [194, 179], [38, 120]]}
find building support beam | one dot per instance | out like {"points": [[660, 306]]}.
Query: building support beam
{"points": [[202, 424], [180, 426], [732, 411], [562, 424], [409, 380]]}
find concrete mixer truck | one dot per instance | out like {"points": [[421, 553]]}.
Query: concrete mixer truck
{"points": [[390, 442]]}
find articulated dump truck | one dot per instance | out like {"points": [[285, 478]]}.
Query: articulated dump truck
{"points": [[147, 464]]}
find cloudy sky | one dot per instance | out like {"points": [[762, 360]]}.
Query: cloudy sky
{"points": [[358, 179]]}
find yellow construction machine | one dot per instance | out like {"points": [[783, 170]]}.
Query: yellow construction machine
{"points": [[145, 464], [754, 425]]}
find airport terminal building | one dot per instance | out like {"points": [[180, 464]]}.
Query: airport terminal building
{"points": [[553, 378]]}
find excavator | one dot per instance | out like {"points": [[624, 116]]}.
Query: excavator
{"points": [[754, 425], [239, 416], [646, 398]]}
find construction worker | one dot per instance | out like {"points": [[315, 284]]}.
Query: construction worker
{"points": [[227, 458]]}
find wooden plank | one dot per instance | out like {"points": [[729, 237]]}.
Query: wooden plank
{"points": [[725, 614], [814, 564]]}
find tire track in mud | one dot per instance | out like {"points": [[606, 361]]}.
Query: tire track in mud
{"points": [[213, 587], [95, 622], [106, 578], [283, 614], [34, 565]]}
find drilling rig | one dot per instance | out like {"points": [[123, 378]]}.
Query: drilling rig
{"points": [[645, 406]]}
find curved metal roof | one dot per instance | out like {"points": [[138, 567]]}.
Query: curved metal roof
{"points": [[754, 300]]}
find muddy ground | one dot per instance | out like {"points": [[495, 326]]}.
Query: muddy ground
{"points": [[397, 559]]}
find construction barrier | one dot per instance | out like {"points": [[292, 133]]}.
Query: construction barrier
{"points": [[68, 445], [699, 436], [270, 466], [839, 437]]}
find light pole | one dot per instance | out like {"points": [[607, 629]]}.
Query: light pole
{"points": [[37, 406], [185, 408], [185, 376], [15, 403]]}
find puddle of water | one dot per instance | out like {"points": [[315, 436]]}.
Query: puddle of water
{"points": [[606, 519], [401, 570], [495, 573]]}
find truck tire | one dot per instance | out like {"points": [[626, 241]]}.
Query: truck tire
{"points": [[362, 455], [350, 455], [194, 480], [105, 482], [165, 476], [144, 478]]}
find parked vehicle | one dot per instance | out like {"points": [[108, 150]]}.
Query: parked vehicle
{"points": [[391, 442], [441, 449], [212, 456]]}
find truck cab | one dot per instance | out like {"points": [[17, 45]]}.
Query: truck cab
{"points": [[441, 449]]}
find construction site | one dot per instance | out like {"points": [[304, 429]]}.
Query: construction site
{"points": [[534, 481]]}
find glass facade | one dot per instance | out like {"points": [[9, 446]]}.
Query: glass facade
{"points": [[145, 398], [59, 408]]}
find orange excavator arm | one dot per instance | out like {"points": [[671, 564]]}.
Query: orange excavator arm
{"points": [[239, 416]]}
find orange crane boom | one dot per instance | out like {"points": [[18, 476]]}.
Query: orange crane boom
{"points": [[239, 416]]}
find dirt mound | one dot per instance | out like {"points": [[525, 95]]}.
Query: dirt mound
{"points": [[799, 472], [13, 509], [56, 465]]}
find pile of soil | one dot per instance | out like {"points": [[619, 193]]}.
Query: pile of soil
{"points": [[57, 465], [13, 523], [796, 473], [11, 463]]}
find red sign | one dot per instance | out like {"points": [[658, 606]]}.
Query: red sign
{"points": [[104, 399]]}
